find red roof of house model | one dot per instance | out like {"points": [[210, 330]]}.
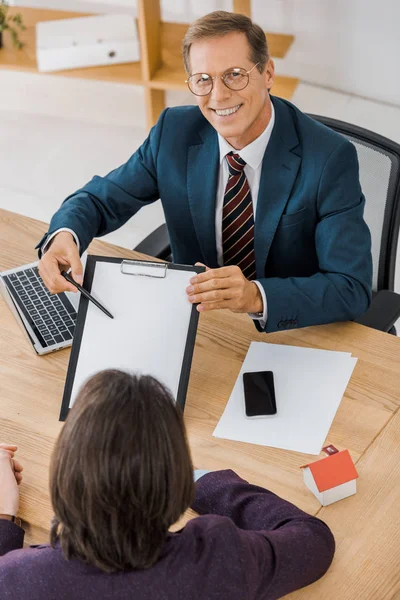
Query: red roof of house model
{"points": [[330, 471]]}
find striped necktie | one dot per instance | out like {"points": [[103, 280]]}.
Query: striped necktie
{"points": [[238, 219]]}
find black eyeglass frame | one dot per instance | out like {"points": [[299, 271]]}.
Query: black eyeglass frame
{"points": [[224, 74]]}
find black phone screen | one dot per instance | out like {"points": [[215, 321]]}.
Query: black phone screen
{"points": [[259, 394]]}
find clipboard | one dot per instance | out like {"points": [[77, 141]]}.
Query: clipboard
{"points": [[153, 331]]}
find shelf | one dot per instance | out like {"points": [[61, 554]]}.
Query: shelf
{"points": [[161, 66], [25, 59], [278, 44], [172, 35], [284, 86], [171, 75]]}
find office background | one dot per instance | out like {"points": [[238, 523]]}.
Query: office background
{"points": [[57, 132]]}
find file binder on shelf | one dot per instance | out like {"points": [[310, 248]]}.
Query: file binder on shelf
{"points": [[153, 331], [86, 42]]}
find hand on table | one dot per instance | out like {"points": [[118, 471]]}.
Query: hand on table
{"points": [[225, 287], [61, 256], [10, 478]]}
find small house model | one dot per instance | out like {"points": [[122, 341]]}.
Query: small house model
{"points": [[331, 478]]}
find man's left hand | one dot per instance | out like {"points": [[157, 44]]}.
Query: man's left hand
{"points": [[225, 287]]}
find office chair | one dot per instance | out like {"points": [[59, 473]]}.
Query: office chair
{"points": [[156, 244], [379, 160]]}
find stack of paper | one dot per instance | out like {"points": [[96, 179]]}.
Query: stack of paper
{"points": [[309, 385]]}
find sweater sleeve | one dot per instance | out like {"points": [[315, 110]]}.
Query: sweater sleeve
{"points": [[11, 536], [281, 547]]}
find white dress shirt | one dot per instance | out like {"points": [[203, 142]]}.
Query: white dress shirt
{"points": [[253, 155], [47, 242]]}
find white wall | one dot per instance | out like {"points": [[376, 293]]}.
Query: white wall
{"points": [[348, 45]]}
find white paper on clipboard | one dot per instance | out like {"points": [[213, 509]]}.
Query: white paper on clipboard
{"points": [[153, 329]]}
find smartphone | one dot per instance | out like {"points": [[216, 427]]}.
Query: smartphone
{"points": [[259, 394]]}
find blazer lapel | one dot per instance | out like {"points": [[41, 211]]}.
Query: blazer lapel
{"points": [[202, 180], [279, 170]]}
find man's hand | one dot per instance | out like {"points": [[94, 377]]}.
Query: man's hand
{"points": [[10, 478], [61, 256], [225, 287]]}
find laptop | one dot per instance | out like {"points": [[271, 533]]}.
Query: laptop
{"points": [[47, 319]]}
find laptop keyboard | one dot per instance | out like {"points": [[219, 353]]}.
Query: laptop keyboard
{"points": [[51, 316]]}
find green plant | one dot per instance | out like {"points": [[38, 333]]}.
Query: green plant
{"points": [[11, 23]]}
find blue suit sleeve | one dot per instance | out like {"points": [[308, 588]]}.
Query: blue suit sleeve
{"points": [[106, 203], [341, 290]]}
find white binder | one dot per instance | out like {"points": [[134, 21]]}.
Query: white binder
{"points": [[86, 42]]}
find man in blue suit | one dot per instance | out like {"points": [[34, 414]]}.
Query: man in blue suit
{"points": [[266, 198]]}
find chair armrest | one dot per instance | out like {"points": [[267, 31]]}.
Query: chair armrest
{"points": [[383, 311], [156, 244]]}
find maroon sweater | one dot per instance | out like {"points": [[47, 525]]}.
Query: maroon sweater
{"points": [[247, 544]]}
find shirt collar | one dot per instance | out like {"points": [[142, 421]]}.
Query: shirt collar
{"points": [[253, 153]]}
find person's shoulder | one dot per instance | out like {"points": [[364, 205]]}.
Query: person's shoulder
{"points": [[208, 535], [311, 132], [184, 114], [182, 122], [20, 570], [213, 530], [20, 565]]}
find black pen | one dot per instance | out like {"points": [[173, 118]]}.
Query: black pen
{"points": [[85, 293]]}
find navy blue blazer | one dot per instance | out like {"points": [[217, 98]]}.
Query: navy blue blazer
{"points": [[312, 246]]}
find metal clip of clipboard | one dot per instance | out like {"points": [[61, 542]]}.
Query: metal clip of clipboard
{"points": [[144, 268]]}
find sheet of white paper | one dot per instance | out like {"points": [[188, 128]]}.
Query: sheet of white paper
{"points": [[309, 385], [149, 330]]}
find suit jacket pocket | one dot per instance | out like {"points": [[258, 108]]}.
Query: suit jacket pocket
{"points": [[292, 218]]}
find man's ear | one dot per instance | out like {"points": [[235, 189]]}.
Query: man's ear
{"points": [[269, 74]]}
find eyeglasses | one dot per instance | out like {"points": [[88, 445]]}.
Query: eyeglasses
{"points": [[201, 84]]}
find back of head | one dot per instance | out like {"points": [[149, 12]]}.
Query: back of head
{"points": [[220, 23], [121, 472]]}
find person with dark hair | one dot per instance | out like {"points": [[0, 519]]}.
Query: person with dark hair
{"points": [[261, 194], [120, 476]]}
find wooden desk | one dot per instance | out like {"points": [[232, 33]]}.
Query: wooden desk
{"points": [[366, 526]]}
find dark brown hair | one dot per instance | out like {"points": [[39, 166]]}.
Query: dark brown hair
{"points": [[121, 472], [220, 23]]}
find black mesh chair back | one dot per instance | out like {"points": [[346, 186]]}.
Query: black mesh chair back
{"points": [[156, 244], [379, 160]]}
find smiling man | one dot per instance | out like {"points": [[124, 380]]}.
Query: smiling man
{"points": [[263, 196]]}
